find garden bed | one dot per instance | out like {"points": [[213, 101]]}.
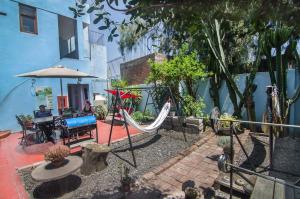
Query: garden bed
{"points": [[150, 150]]}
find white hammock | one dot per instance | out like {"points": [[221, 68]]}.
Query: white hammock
{"points": [[152, 127]]}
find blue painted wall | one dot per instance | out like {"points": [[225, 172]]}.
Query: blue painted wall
{"points": [[262, 80], [22, 52]]}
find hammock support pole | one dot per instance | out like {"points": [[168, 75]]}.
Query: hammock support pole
{"points": [[126, 125], [118, 101]]}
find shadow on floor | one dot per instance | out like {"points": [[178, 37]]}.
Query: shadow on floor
{"points": [[142, 193], [154, 139], [57, 188], [257, 156]]}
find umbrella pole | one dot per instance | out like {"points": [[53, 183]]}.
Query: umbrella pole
{"points": [[62, 96]]}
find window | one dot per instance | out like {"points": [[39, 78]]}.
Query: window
{"points": [[28, 20], [68, 43]]}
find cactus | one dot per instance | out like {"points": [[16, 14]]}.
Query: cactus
{"points": [[275, 38]]}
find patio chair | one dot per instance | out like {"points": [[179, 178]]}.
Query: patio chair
{"points": [[26, 133]]}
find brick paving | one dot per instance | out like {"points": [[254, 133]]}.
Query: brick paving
{"points": [[197, 164]]}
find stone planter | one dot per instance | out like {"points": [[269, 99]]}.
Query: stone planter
{"points": [[172, 113], [58, 163]]}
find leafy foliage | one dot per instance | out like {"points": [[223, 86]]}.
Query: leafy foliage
{"points": [[25, 118], [119, 84], [184, 67], [142, 117], [192, 107], [227, 119]]}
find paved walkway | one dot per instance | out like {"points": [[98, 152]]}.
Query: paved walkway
{"points": [[14, 156], [197, 164]]}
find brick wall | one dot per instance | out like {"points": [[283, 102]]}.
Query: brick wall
{"points": [[136, 71]]}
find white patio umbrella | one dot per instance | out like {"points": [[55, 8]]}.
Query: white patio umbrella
{"points": [[57, 72]]}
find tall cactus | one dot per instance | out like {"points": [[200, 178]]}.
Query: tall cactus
{"points": [[275, 38], [214, 38]]}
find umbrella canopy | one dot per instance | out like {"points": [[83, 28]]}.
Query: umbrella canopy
{"points": [[56, 72], [123, 95]]}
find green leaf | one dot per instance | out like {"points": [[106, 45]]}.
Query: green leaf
{"points": [[91, 9], [110, 38], [99, 18], [102, 27], [72, 9], [113, 30]]}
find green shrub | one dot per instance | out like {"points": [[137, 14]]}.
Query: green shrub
{"points": [[192, 107], [100, 112], [142, 117]]}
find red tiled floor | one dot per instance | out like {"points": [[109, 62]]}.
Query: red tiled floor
{"points": [[13, 156]]}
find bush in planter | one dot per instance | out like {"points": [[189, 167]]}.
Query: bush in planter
{"points": [[226, 124], [57, 153], [192, 107], [100, 112]]}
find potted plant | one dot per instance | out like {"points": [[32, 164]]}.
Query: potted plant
{"points": [[192, 193], [224, 142], [126, 180], [224, 126], [56, 154], [27, 121], [100, 112]]}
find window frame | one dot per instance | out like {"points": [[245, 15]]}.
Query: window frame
{"points": [[28, 16]]}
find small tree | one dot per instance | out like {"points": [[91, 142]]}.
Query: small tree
{"points": [[184, 68]]}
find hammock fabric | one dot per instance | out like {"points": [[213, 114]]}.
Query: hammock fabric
{"points": [[152, 127]]}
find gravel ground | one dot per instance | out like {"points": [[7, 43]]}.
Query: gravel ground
{"points": [[287, 158], [150, 150]]}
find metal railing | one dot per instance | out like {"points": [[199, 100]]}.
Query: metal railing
{"points": [[271, 149]]}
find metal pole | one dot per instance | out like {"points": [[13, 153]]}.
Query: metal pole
{"points": [[270, 120], [62, 96], [113, 118], [127, 130], [262, 175], [231, 157], [146, 103], [245, 152]]}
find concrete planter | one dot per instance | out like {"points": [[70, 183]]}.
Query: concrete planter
{"points": [[188, 125]]}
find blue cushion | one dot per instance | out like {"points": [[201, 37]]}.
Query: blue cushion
{"points": [[80, 121]]}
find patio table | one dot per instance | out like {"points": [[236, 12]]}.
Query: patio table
{"points": [[47, 172], [41, 120]]}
